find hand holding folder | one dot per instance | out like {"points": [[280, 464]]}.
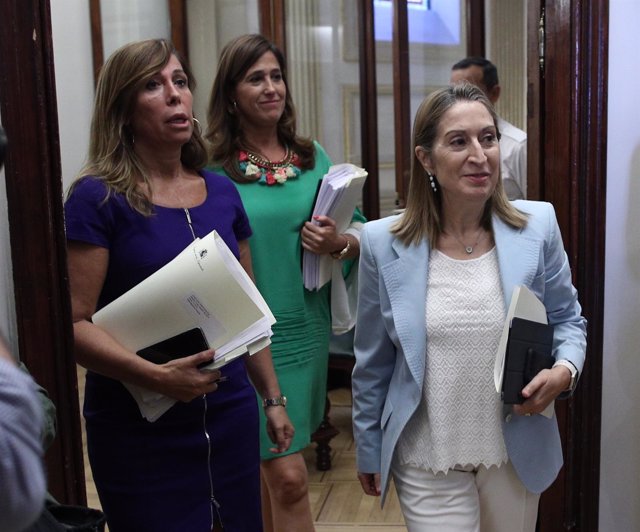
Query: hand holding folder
{"points": [[203, 288], [338, 194], [528, 352], [525, 347], [179, 346]]}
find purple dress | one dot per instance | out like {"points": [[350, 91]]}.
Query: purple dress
{"points": [[157, 476]]}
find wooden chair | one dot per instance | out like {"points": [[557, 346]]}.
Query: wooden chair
{"points": [[341, 362]]}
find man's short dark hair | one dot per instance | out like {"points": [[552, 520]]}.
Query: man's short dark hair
{"points": [[489, 70]]}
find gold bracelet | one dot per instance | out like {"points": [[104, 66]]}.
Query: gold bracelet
{"points": [[340, 254], [274, 401]]}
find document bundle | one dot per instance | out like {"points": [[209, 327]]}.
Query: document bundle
{"points": [[338, 194], [202, 299]]}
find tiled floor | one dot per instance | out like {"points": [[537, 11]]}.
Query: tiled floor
{"points": [[337, 501]]}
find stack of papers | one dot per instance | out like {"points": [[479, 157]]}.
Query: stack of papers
{"points": [[203, 287], [339, 192]]}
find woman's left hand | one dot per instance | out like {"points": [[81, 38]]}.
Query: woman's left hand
{"points": [[543, 389], [279, 428], [321, 237]]}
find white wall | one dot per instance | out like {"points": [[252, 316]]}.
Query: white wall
{"points": [[74, 81], [7, 305], [620, 457]]}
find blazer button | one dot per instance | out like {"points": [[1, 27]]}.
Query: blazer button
{"points": [[507, 418]]}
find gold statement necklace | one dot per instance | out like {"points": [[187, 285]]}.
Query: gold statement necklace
{"points": [[269, 172]]}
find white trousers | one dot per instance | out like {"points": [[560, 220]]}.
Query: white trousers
{"points": [[478, 500]]}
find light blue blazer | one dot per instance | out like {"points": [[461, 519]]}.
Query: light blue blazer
{"points": [[391, 340]]}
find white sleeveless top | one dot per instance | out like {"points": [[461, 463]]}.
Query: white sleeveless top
{"points": [[458, 421]]}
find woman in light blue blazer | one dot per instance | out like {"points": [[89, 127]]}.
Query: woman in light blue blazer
{"points": [[434, 286]]}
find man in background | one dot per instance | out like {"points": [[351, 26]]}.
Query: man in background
{"points": [[513, 142]]}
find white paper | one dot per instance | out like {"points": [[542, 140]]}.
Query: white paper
{"points": [[525, 305], [204, 286], [339, 193]]}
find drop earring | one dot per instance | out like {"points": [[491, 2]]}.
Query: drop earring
{"points": [[432, 182]]}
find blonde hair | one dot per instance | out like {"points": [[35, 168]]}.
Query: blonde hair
{"points": [[423, 215], [111, 157], [224, 133]]}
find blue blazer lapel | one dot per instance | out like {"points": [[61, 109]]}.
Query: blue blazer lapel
{"points": [[518, 256], [405, 280]]}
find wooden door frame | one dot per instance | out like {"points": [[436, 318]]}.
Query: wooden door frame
{"points": [[476, 28], [272, 17], [368, 109], [568, 131], [38, 250]]}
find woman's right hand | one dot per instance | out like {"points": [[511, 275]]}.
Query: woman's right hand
{"points": [[320, 236], [181, 379], [370, 483], [96, 350]]}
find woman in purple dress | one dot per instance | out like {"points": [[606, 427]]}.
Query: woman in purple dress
{"points": [[141, 199]]}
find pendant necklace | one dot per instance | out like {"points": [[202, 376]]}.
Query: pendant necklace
{"points": [[469, 249]]}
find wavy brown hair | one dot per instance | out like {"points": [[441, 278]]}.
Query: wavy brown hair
{"points": [[224, 131], [111, 157], [423, 217]]}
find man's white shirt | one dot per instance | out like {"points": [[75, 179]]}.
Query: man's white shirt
{"points": [[513, 157]]}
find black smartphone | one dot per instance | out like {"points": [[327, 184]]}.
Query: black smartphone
{"points": [[181, 345]]}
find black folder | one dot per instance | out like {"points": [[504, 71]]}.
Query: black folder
{"points": [[529, 351], [182, 345]]}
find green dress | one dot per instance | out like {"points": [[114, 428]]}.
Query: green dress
{"points": [[300, 342]]}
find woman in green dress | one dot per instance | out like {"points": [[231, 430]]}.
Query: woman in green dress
{"points": [[253, 140]]}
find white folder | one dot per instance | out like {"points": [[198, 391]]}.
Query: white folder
{"points": [[339, 193], [204, 286]]}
